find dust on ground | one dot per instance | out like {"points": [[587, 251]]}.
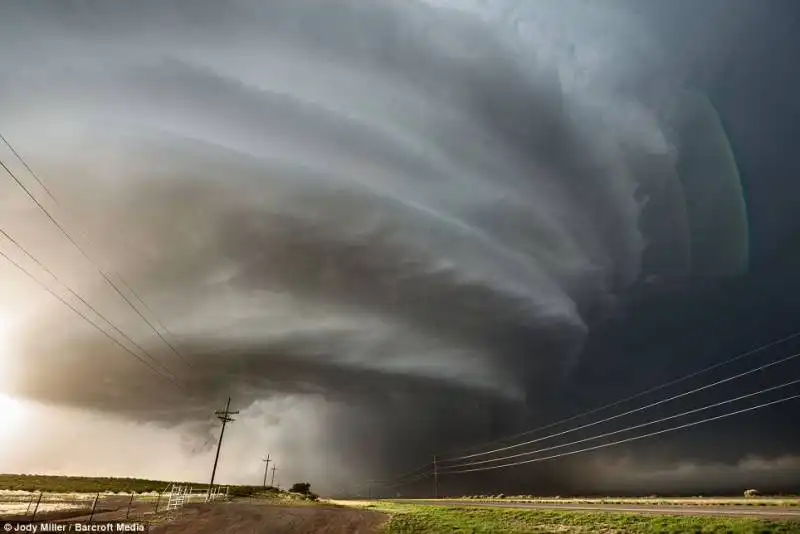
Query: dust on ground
{"points": [[349, 503], [257, 518]]}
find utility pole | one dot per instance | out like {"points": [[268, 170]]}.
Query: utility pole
{"points": [[435, 479], [226, 418], [266, 468], [273, 476]]}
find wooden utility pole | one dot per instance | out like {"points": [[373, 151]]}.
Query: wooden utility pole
{"points": [[273, 476], [266, 468], [435, 479], [225, 417]]}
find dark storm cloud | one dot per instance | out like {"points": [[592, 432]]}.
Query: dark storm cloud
{"points": [[403, 209]]}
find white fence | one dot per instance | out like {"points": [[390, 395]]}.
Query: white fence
{"points": [[180, 495]]}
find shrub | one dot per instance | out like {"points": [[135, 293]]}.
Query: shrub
{"points": [[303, 488]]}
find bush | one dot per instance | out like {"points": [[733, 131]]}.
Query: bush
{"points": [[303, 488], [244, 491]]}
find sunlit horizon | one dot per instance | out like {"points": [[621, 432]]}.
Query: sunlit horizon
{"points": [[5, 350], [11, 416], [11, 409]]}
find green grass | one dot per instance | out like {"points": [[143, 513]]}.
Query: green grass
{"points": [[421, 519], [790, 500], [60, 484]]}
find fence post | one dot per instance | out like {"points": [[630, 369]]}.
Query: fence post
{"points": [[94, 505], [130, 502], [158, 501], [35, 508], [30, 502]]}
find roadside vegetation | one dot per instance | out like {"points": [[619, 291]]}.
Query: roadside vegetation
{"points": [[423, 519], [61, 484], [304, 489], [783, 500], [64, 484], [299, 493]]}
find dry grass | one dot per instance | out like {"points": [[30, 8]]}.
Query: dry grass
{"points": [[15, 509]]}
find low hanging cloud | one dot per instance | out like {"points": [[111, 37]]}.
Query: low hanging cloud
{"points": [[767, 474], [412, 212]]}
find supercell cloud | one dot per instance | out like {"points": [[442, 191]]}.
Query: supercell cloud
{"points": [[374, 225]]}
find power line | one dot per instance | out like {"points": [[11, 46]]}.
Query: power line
{"points": [[143, 303], [641, 408], [634, 427], [628, 440], [407, 478], [82, 316], [751, 352], [417, 478], [25, 163], [146, 307], [83, 300], [437, 472], [405, 475], [86, 255], [435, 478], [740, 356], [421, 476]]}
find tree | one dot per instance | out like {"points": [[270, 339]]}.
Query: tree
{"points": [[304, 488]]}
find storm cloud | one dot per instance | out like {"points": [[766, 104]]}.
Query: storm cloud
{"points": [[403, 219]]}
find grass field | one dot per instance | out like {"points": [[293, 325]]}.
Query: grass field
{"points": [[63, 484], [662, 501], [55, 497], [421, 519], [59, 484]]}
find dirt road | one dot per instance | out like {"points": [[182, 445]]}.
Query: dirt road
{"points": [[247, 518], [755, 512]]}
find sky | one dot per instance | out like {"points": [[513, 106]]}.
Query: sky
{"points": [[390, 231]]}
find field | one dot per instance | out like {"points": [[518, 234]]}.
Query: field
{"points": [[253, 507], [21, 509], [59, 484], [53, 497], [781, 501], [63, 484], [249, 509], [423, 519]]}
